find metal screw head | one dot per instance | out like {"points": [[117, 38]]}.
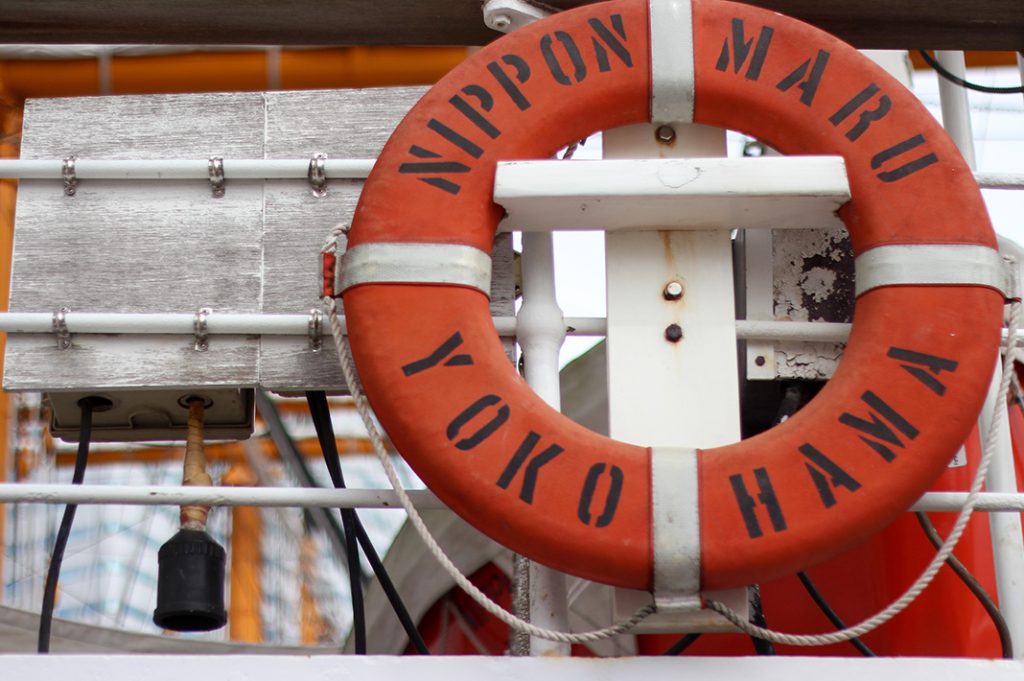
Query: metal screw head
{"points": [[673, 333], [760, 360], [673, 291], [665, 134], [501, 22]]}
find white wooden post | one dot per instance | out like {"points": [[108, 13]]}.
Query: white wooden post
{"points": [[672, 362]]}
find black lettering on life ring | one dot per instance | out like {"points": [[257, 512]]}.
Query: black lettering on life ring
{"points": [[826, 475], [532, 469], [573, 52], [920, 364], [748, 504], [434, 168], [486, 430], [809, 86], [908, 168], [614, 44], [867, 117], [475, 116], [443, 352], [455, 138], [741, 50], [881, 431], [522, 74], [611, 500]]}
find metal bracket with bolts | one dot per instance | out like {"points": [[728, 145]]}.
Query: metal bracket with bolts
{"points": [[318, 175], [506, 16], [216, 168], [201, 341], [60, 328], [316, 329], [67, 173]]}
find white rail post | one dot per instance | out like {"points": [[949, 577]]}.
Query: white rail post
{"points": [[541, 331], [956, 109], [672, 365], [1007, 543]]}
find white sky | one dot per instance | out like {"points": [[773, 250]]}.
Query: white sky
{"points": [[998, 124]]}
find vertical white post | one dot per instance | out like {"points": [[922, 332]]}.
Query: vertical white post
{"points": [[541, 330], [956, 110], [665, 390], [1007, 543], [672, 364]]}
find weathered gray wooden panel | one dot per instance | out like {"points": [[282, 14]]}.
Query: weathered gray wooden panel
{"points": [[149, 126], [101, 362], [172, 247], [341, 124], [137, 246]]}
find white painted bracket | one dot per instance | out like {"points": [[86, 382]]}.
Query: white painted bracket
{"points": [[628, 601], [787, 192], [506, 16]]}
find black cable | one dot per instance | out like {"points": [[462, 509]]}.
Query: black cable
{"points": [[87, 406], [976, 588], [326, 521], [348, 519], [342, 535], [321, 414], [941, 70], [834, 618], [682, 644], [761, 646], [792, 400]]}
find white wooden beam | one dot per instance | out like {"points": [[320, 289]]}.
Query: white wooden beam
{"points": [[776, 192]]}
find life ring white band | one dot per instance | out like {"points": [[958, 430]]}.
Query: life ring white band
{"points": [[414, 263], [671, 61], [675, 504], [930, 264]]}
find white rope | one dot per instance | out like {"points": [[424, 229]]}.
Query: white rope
{"points": [[856, 631], [928, 575], [363, 407], [331, 245]]}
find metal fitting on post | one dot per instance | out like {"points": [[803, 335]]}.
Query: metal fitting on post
{"points": [[215, 167], [673, 291]]}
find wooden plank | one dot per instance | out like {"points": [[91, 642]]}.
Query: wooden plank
{"points": [[894, 24], [177, 248], [346, 123], [349, 123], [170, 246]]}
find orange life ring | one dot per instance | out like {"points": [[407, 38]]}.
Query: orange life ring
{"points": [[912, 378]]}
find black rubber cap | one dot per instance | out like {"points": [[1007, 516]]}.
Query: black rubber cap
{"points": [[190, 583]]}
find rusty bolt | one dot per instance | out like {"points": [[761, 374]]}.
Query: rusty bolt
{"points": [[673, 291], [665, 134], [760, 360], [673, 333]]}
